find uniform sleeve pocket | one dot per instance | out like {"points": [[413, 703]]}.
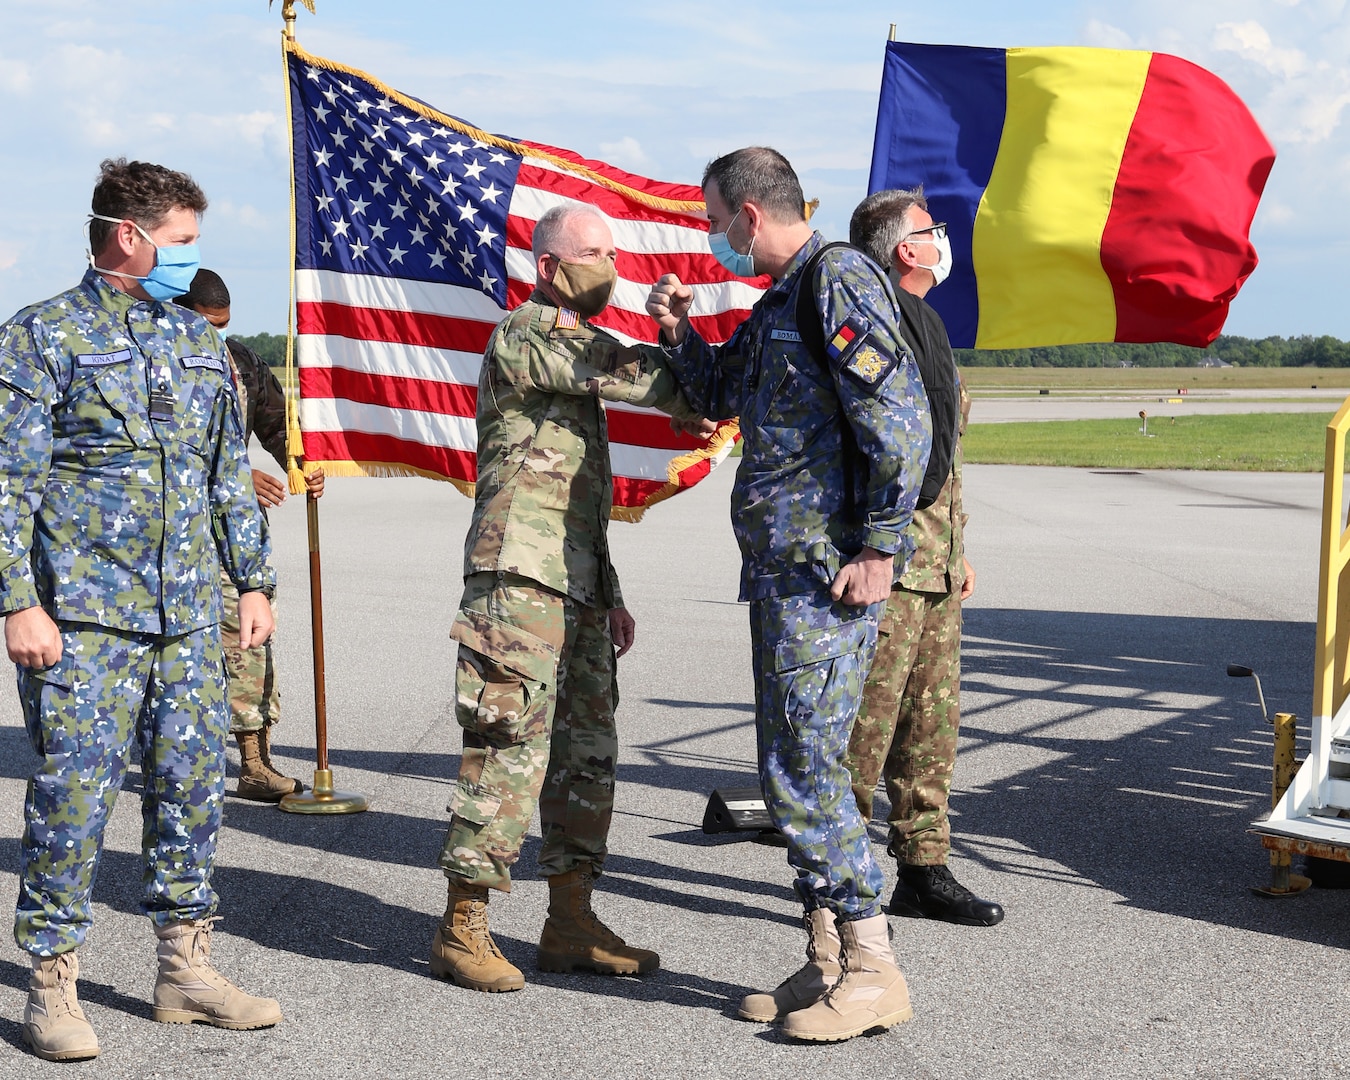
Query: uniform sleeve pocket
{"points": [[817, 646], [504, 677]]}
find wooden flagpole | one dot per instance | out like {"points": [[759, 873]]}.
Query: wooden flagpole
{"points": [[322, 798]]}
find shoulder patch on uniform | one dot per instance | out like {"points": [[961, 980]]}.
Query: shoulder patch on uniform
{"points": [[567, 319], [869, 363], [785, 335], [121, 356], [215, 363], [847, 336]]}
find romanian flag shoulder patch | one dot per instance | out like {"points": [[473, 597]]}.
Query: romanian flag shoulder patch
{"points": [[844, 338]]}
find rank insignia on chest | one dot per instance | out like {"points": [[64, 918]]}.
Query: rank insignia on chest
{"points": [[567, 320]]}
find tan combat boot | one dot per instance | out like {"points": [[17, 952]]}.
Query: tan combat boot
{"points": [[189, 989], [54, 1025], [871, 993], [807, 985], [258, 780], [574, 937], [463, 950]]}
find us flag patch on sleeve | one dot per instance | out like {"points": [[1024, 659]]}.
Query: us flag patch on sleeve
{"points": [[567, 319]]}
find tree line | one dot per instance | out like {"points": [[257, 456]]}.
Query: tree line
{"points": [[1304, 351]]}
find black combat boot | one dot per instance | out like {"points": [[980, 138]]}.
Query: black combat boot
{"points": [[930, 892]]}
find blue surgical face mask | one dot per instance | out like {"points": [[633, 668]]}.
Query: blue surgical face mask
{"points": [[174, 268], [733, 260]]}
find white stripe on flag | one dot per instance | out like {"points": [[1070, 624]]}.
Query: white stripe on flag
{"points": [[396, 294], [318, 415], [387, 358]]}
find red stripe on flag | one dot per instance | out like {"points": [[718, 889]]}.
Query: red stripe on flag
{"points": [[1175, 246], [391, 391], [601, 197], [632, 492], [644, 429], [386, 449], [663, 189], [401, 327]]}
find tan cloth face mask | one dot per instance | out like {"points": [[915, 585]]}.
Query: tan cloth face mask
{"points": [[585, 287]]}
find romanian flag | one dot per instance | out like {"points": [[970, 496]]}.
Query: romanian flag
{"points": [[1090, 194]]}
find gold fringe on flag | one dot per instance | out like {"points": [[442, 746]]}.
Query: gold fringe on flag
{"points": [[721, 439]]}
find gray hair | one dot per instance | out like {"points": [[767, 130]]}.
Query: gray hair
{"points": [[881, 221], [761, 175], [551, 229]]}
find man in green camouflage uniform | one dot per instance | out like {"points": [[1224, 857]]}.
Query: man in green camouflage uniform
{"points": [[907, 727], [123, 489], [255, 697], [542, 614]]}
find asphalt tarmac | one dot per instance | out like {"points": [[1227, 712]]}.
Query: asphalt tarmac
{"points": [[1107, 774]]}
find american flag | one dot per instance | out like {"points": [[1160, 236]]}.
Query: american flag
{"points": [[413, 240]]}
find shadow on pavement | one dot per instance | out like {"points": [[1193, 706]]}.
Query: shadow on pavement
{"points": [[1144, 763]]}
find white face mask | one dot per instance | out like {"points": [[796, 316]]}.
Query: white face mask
{"points": [[943, 266]]}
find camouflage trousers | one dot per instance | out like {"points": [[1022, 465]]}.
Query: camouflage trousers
{"points": [[109, 688], [535, 692], [810, 658], [255, 700], [907, 727]]}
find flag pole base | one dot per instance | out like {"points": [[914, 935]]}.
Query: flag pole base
{"points": [[322, 799]]}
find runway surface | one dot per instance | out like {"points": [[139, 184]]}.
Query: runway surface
{"points": [[1000, 407], [1108, 772]]}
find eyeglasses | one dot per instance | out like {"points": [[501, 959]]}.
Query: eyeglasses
{"points": [[938, 229]]}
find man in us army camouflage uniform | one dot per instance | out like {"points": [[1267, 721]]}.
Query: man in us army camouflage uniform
{"points": [[123, 489], [542, 614], [907, 727], [255, 698], [835, 444]]}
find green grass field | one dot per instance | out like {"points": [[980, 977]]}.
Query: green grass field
{"points": [[1106, 379], [1248, 442]]}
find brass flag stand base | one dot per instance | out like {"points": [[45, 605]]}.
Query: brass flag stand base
{"points": [[321, 799]]}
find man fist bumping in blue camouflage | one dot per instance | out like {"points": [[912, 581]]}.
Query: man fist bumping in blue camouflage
{"points": [[837, 433], [542, 614], [123, 488]]}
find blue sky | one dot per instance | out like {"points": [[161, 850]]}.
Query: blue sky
{"points": [[658, 89]]}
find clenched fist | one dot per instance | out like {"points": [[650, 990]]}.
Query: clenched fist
{"points": [[669, 305]]}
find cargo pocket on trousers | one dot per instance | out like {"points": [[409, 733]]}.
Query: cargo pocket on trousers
{"points": [[503, 677], [804, 667], [473, 805]]}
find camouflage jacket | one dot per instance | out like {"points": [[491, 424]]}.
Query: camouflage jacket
{"points": [[790, 505], [123, 479], [938, 564], [544, 490], [262, 401]]}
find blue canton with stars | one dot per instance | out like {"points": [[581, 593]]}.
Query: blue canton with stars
{"points": [[382, 190]]}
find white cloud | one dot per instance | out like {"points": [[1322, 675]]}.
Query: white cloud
{"points": [[1251, 41], [1105, 36], [627, 153], [9, 255]]}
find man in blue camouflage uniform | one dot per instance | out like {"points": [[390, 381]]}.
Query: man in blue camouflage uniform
{"points": [[835, 446], [123, 488]]}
